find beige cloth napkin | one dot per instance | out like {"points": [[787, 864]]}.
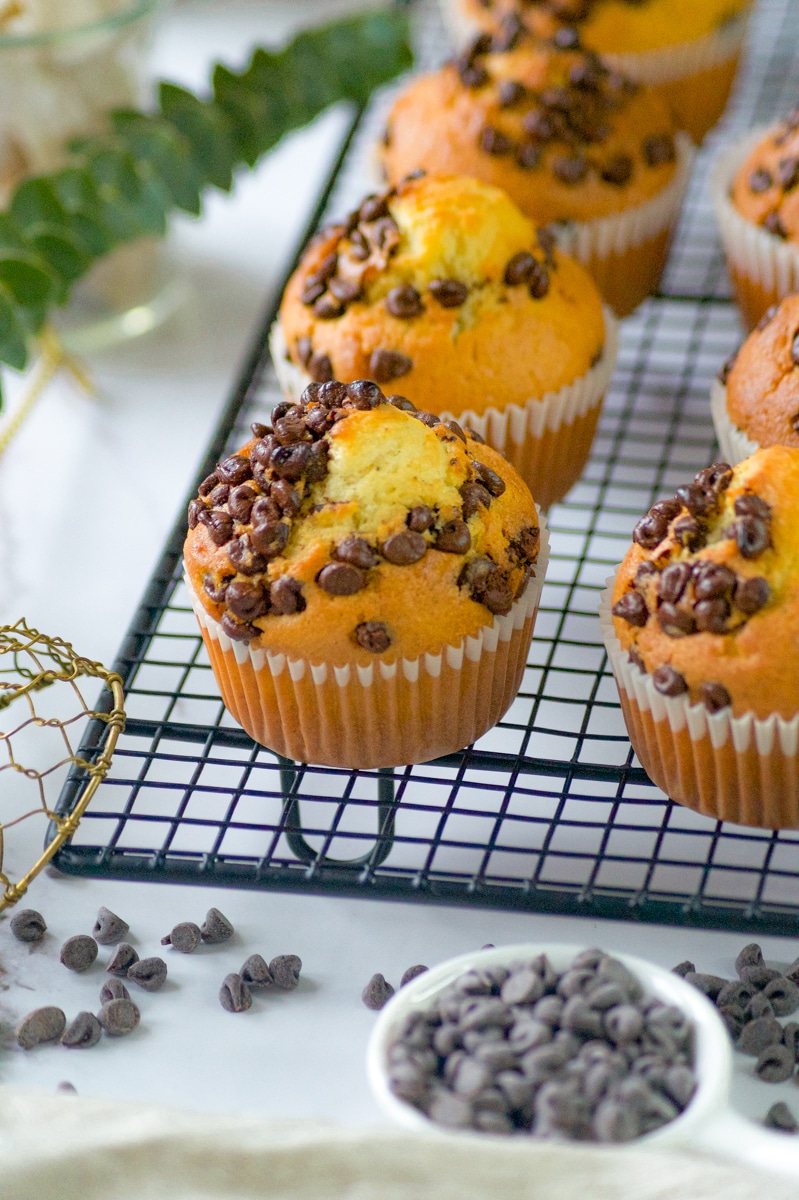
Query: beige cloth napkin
{"points": [[71, 1148]]}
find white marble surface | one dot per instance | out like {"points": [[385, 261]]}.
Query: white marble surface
{"points": [[88, 492]]}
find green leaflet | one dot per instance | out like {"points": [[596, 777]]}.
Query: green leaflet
{"points": [[124, 183]]}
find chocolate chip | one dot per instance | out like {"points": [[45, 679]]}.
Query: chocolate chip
{"points": [[474, 496], [780, 1117], [234, 994], [327, 307], [373, 636], [119, 1017], [538, 286], [673, 582], [760, 180], [698, 500], [291, 428], [404, 548], [528, 156], [783, 995], [344, 290], [773, 225], [449, 293], [113, 989], [385, 365], [570, 169], [208, 484], [341, 579], [712, 580], [216, 927], [540, 125], [715, 697], [304, 350], [716, 477], [618, 170], [452, 425], [28, 925], [658, 149], [493, 141], [357, 551], [373, 207], [269, 541], [711, 616], [320, 368], [752, 594], [454, 537], [495, 485], [42, 1025], [632, 608], [247, 601], [219, 495], [363, 394], [123, 959], [184, 937], [750, 505], [520, 268], [675, 622], [684, 968], [650, 531], [387, 235], [510, 92], [244, 557], [219, 525], [256, 974], [377, 992], [669, 682], [312, 292], [235, 469], [82, 1032], [195, 508], [688, 532], [404, 302], [420, 518], [285, 970], [285, 597], [235, 630], [775, 1063], [789, 173], [149, 973], [727, 366], [472, 75], [79, 952], [290, 462], [795, 350], [752, 536]]}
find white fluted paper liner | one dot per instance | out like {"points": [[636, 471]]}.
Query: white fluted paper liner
{"points": [[735, 445], [673, 63], [743, 769], [336, 714], [547, 440], [764, 261], [614, 235]]}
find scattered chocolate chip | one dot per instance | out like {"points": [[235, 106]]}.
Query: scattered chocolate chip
{"points": [[711, 616], [472, 75], [385, 365], [344, 290], [357, 551], [449, 293], [79, 952], [304, 350], [83, 1031], [618, 170], [123, 959], [452, 425], [42, 1025], [28, 925], [715, 697], [474, 497], [412, 973], [235, 630], [658, 149], [752, 594], [185, 937], [788, 173], [673, 582], [669, 682], [750, 505], [454, 537], [528, 156], [510, 92], [783, 995], [570, 169], [234, 994], [404, 302], [688, 532], [420, 518], [372, 636], [493, 141], [256, 974], [285, 970], [632, 608], [246, 600], [149, 973], [376, 992], [404, 548], [760, 180], [119, 1017], [113, 989], [341, 579], [216, 927], [109, 928], [320, 368], [684, 968], [775, 1063], [285, 597], [780, 1117], [674, 621], [773, 225], [520, 268], [752, 536], [712, 580]]}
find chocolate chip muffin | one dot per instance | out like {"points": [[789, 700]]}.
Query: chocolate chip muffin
{"points": [[701, 631], [687, 52], [573, 143], [442, 289], [755, 399], [756, 196], [366, 578]]}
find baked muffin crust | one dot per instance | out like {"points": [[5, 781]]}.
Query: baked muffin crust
{"points": [[766, 188], [762, 379]]}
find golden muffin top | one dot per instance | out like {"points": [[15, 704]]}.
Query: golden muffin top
{"points": [[565, 136], [610, 26], [762, 378], [766, 188], [356, 527], [444, 284], [707, 598]]}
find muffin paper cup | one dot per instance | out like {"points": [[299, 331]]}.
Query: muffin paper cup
{"points": [[547, 440], [626, 253], [741, 769], [385, 714], [763, 269], [735, 445]]}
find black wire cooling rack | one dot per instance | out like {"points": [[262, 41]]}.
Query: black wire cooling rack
{"points": [[549, 811]]}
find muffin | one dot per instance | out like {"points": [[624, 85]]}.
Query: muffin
{"points": [[701, 629], [574, 144], [443, 289], [687, 52], [366, 578], [756, 198], [755, 399]]}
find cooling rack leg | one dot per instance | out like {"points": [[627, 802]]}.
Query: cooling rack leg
{"points": [[292, 821]]}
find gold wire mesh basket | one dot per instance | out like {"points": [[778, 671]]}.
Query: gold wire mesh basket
{"points": [[42, 709]]}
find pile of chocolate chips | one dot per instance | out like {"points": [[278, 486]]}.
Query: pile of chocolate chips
{"points": [[575, 115], [702, 596], [248, 505], [581, 1054]]}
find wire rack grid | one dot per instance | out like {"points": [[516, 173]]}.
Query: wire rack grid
{"points": [[550, 811]]}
